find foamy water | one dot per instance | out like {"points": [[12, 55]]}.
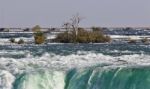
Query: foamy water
{"points": [[57, 66]]}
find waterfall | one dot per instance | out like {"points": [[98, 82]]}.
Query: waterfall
{"points": [[40, 80], [79, 78], [119, 78], [6, 80]]}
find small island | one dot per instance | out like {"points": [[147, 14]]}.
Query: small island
{"points": [[83, 36], [72, 32]]}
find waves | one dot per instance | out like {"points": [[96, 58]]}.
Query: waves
{"points": [[40, 80], [98, 77], [66, 62], [89, 78], [118, 78], [6, 80], [81, 70]]}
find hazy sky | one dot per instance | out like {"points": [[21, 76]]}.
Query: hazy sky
{"points": [[27, 13]]}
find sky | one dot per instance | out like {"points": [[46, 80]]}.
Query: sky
{"points": [[53, 13]]}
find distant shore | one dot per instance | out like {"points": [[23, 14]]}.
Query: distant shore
{"points": [[117, 34]]}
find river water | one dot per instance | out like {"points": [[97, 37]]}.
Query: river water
{"points": [[75, 66]]}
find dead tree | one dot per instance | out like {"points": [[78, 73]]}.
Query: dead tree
{"points": [[73, 25], [74, 22]]}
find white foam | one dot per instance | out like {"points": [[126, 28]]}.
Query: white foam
{"points": [[44, 80], [11, 52], [50, 61], [6, 80], [120, 51], [60, 62]]}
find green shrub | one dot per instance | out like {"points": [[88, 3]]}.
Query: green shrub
{"points": [[65, 37], [83, 36], [97, 36], [39, 36]]}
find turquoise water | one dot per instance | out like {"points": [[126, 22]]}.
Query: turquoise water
{"points": [[118, 78], [75, 66]]}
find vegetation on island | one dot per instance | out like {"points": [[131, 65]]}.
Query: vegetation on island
{"points": [[76, 34], [39, 36], [83, 36], [73, 34]]}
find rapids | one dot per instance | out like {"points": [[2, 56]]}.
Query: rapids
{"points": [[80, 66]]}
